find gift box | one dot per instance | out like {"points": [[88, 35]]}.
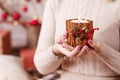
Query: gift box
{"points": [[33, 31], [27, 56], [5, 42], [18, 34]]}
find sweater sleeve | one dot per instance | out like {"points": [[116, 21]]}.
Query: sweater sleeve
{"points": [[111, 57], [44, 59]]}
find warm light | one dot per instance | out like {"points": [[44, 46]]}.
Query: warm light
{"points": [[79, 19], [34, 17], [15, 23]]}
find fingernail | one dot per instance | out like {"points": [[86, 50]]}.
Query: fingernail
{"points": [[78, 47], [90, 42], [86, 48], [65, 35], [60, 42]]}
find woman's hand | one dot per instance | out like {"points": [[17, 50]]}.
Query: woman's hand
{"points": [[62, 48], [96, 45]]}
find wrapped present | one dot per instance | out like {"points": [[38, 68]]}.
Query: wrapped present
{"points": [[33, 31], [18, 34], [27, 56], [5, 42], [79, 31]]}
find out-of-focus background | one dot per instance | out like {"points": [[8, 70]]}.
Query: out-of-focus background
{"points": [[20, 24]]}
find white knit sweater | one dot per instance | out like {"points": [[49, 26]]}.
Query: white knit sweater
{"points": [[106, 16]]}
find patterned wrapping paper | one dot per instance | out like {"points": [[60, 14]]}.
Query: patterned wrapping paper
{"points": [[78, 33]]}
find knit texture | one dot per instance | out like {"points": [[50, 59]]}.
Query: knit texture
{"points": [[105, 15]]}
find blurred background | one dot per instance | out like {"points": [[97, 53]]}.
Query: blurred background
{"points": [[20, 24]]}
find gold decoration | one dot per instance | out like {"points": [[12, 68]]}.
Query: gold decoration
{"points": [[15, 23]]}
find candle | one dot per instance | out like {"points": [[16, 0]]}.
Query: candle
{"points": [[79, 21], [78, 31]]}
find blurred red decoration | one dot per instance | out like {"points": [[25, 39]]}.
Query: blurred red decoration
{"points": [[34, 22], [27, 56], [38, 0], [16, 15], [25, 9], [4, 16]]}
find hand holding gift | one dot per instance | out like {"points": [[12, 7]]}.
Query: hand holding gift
{"points": [[79, 36]]}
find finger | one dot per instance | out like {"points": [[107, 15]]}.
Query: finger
{"points": [[58, 47], [63, 50], [63, 36], [65, 45], [95, 45], [59, 42], [83, 50], [69, 53], [75, 51], [65, 42]]}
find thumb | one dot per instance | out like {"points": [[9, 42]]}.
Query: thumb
{"points": [[95, 45]]}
